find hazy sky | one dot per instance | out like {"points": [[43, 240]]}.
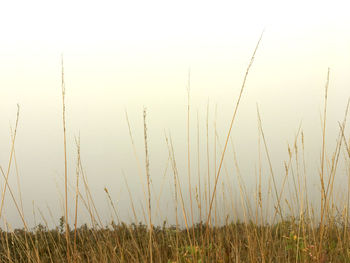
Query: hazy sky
{"points": [[124, 55]]}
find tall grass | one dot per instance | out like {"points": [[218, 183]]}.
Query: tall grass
{"points": [[65, 158], [273, 224]]}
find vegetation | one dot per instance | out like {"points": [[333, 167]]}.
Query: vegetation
{"points": [[238, 242], [294, 234]]}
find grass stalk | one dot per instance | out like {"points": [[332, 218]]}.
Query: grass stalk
{"points": [[65, 156], [231, 125], [270, 164], [199, 173], [77, 142], [189, 153], [148, 185], [10, 162], [323, 190]]}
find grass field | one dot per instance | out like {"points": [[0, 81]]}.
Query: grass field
{"points": [[293, 232]]}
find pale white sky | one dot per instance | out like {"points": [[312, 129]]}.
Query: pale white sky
{"points": [[129, 54]]}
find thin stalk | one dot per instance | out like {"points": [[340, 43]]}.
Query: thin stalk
{"points": [[199, 174], [148, 185], [173, 163], [77, 142], [158, 212], [270, 165], [17, 176], [229, 132], [131, 200], [337, 152], [89, 198], [215, 136], [287, 168], [323, 190], [208, 164], [65, 156], [9, 163], [172, 154], [112, 204], [139, 170], [189, 152]]}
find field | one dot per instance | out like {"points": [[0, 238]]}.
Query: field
{"points": [[278, 230]]}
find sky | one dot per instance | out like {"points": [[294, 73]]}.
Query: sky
{"points": [[124, 56]]}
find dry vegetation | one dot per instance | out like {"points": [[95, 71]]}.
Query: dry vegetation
{"points": [[289, 237]]}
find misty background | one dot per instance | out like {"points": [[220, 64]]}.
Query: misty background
{"points": [[124, 57]]}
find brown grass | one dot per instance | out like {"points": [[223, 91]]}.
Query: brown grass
{"points": [[276, 223]]}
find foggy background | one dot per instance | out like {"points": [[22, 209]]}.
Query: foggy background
{"points": [[127, 56]]}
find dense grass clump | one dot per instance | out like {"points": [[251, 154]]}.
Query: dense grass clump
{"points": [[235, 242]]}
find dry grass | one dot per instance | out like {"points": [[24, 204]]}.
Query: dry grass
{"points": [[270, 225]]}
